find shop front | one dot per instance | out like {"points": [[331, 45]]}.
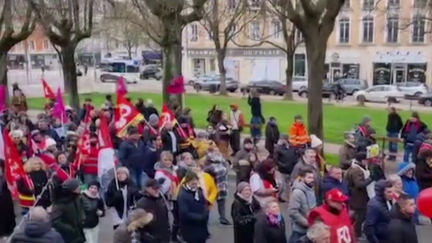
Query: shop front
{"points": [[16, 61], [397, 67]]}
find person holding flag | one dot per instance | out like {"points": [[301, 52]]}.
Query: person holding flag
{"points": [[89, 162]]}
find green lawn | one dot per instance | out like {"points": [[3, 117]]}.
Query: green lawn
{"points": [[337, 120]]}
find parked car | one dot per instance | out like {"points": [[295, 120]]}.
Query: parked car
{"points": [[380, 93], [299, 83], [270, 87], [351, 85], [203, 77], [413, 88], [150, 71], [213, 84], [425, 99], [328, 90]]}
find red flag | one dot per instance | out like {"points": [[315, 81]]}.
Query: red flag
{"points": [[121, 88], [177, 86], [13, 166], [83, 147], [167, 115], [125, 115], [48, 92], [106, 157]]}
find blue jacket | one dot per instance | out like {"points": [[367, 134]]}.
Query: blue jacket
{"points": [[194, 214], [152, 156], [410, 185], [132, 155], [330, 183], [377, 216]]}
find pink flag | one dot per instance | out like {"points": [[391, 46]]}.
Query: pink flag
{"points": [[3, 105], [59, 109], [121, 87], [177, 86]]}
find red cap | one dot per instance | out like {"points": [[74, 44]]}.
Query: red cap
{"points": [[336, 196]]}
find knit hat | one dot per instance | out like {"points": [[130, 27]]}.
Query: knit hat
{"points": [[153, 119], [298, 117], [241, 186], [35, 132], [366, 119], [123, 170], [71, 184], [17, 133], [315, 141], [247, 140], [190, 175], [152, 183], [415, 114], [94, 183]]}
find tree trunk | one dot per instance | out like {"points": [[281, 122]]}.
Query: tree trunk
{"points": [[3, 74], [172, 66], [289, 73], [222, 72], [316, 51], [129, 50], [69, 75]]}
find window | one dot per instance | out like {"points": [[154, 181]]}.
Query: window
{"points": [[368, 29], [276, 29], [368, 5], [232, 4], [418, 29], [344, 30], [299, 36], [393, 29], [46, 44], [194, 33], [32, 45], [393, 3], [255, 30], [300, 65], [420, 3]]}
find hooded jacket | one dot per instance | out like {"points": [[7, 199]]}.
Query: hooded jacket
{"points": [[377, 216], [401, 228], [410, 185], [37, 232], [301, 202]]}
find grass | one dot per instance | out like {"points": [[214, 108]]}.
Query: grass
{"points": [[332, 159], [337, 120]]}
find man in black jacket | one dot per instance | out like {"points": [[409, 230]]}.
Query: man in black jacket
{"points": [[394, 126], [285, 158], [153, 203], [402, 228]]}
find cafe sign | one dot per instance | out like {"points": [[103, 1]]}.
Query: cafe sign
{"points": [[238, 52]]}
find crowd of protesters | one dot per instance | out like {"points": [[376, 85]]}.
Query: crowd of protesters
{"points": [[167, 168]]}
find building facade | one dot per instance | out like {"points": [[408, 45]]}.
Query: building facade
{"points": [[381, 41]]}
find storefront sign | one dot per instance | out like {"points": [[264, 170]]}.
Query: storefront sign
{"points": [[238, 52]]}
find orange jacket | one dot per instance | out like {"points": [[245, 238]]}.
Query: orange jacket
{"points": [[298, 134]]}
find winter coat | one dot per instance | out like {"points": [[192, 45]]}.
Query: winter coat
{"points": [[377, 217], [331, 183], [394, 123], [91, 205], [417, 143], [193, 215], [7, 219], [271, 137], [347, 153], [243, 215], [410, 185], [305, 239], [357, 184], [38, 232], [302, 165], [132, 155], [406, 130], [242, 165], [402, 228], [302, 201], [423, 174], [129, 230], [68, 217], [267, 232], [152, 156], [286, 158], [114, 198], [39, 179], [159, 228]]}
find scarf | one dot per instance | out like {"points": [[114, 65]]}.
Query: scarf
{"points": [[195, 190], [274, 219], [369, 188], [409, 123], [247, 200]]}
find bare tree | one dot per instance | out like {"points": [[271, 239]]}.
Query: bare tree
{"points": [[223, 20], [66, 23], [315, 20], [163, 21], [17, 22]]}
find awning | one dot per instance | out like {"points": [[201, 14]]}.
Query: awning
{"points": [[404, 57]]}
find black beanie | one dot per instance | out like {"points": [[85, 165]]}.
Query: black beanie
{"points": [[94, 183]]}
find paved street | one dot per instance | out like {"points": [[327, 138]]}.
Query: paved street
{"points": [[31, 85]]}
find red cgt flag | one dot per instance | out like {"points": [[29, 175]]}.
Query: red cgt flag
{"points": [[167, 115], [14, 169], [48, 92], [125, 115]]}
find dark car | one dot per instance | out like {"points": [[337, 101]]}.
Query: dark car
{"points": [[213, 84], [270, 87], [328, 90], [150, 71], [425, 99]]}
